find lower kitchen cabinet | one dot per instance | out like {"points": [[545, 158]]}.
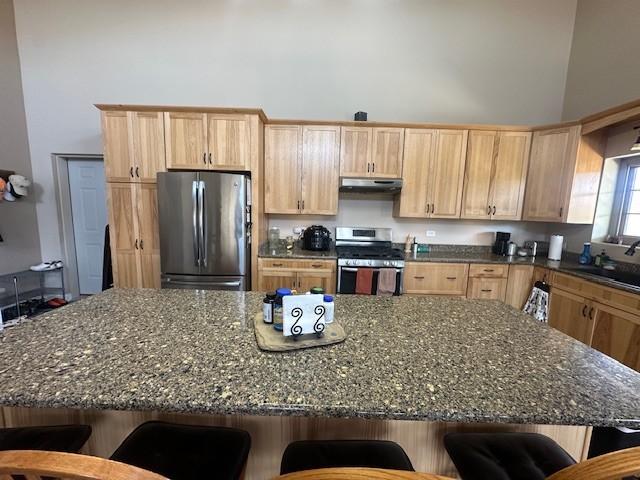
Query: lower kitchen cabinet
{"points": [[487, 288], [519, 285], [301, 274], [436, 278], [572, 315], [617, 333], [134, 234]]}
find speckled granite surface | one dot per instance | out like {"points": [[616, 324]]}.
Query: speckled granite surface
{"points": [[405, 358], [297, 251]]}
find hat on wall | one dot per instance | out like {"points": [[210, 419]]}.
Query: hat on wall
{"points": [[18, 185]]}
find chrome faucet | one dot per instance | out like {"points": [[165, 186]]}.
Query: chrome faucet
{"points": [[632, 248]]}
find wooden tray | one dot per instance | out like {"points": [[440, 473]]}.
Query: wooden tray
{"points": [[271, 340]]}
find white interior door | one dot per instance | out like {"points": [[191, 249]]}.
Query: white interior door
{"points": [[89, 214]]}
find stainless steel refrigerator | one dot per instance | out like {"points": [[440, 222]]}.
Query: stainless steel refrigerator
{"points": [[205, 224]]}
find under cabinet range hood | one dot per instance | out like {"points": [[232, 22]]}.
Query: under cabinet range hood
{"points": [[370, 185]]}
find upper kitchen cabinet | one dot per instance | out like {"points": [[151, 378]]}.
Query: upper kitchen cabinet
{"points": [[206, 141], [564, 176], [301, 169], [371, 152], [432, 173], [133, 146], [495, 174]]}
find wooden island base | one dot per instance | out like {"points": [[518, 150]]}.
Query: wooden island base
{"points": [[270, 435]]}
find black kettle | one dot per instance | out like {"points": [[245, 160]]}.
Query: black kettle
{"points": [[316, 237]]}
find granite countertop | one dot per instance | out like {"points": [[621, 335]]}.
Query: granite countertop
{"points": [[420, 358], [297, 251]]}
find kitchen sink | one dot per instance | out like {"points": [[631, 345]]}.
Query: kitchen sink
{"points": [[627, 278]]}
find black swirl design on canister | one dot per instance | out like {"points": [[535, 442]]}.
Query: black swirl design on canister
{"points": [[320, 311], [295, 328]]}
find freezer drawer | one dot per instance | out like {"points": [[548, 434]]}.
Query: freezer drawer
{"points": [[205, 282]]}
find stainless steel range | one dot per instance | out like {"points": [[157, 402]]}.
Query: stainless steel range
{"points": [[366, 248]]}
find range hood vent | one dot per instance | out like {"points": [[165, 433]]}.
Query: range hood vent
{"points": [[370, 185]]}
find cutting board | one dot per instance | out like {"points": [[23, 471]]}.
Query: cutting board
{"points": [[271, 340]]}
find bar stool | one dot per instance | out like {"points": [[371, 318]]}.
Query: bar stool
{"points": [[59, 438], [186, 452], [505, 456], [315, 454]]}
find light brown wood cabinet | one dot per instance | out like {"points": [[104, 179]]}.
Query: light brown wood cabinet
{"points": [[569, 313], [617, 334], [133, 146], [432, 174], [495, 174], [487, 281], [564, 176], [301, 169], [134, 234], [207, 141], [435, 278], [519, 285], [297, 274], [371, 152]]}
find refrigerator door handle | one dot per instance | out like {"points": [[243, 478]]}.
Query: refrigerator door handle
{"points": [[196, 236], [203, 224]]}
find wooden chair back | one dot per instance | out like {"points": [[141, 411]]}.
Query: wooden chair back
{"points": [[612, 466], [34, 465], [357, 473]]}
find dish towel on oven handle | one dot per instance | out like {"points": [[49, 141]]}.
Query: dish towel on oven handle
{"points": [[387, 281], [364, 281], [537, 304]]}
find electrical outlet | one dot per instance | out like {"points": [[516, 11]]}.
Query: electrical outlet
{"points": [[431, 233]]}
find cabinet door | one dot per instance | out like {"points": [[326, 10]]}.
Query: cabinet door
{"points": [[569, 314], [270, 280], [320, 166], [282, 159], [148, 235], [448, 174], [148, 145], [509, 175], [355, 151], [487, 288], [386, 159], [229, 142], [617, 334], [123, 231], [549, 165], [185, 138], [519, 285], [308, 280], [118, 164], [478, 174], [419, 151], [436, 278]]}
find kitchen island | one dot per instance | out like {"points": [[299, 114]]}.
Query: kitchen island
{"points": [[409, 369]]}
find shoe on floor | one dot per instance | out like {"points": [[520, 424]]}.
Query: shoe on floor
{"points": [[45, 266]]}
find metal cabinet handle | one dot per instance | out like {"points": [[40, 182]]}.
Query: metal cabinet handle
{"points": [[489, 210], [368, 167], [433, 208], [298, 204], [302, 204], [560, 212], [584, 311], [209, 158], [136, 244], [419, 278], [451, 278], [428, 208], [591, 313], [131, 172], [141, 245], [138, 172], [488, 270], [486, 290], [494, 209], [276, 265], [316, 265], [204, 158], [373, 167]]}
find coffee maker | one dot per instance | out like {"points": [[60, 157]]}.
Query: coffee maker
{"points": [[501, 245]]}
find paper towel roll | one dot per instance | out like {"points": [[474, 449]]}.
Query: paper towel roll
{"points": [[555, 247]]}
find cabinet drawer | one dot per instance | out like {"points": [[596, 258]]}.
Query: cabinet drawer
{"points": [[487, 288], [488, 270], [279, 263], [316, 264], [436, 278]]}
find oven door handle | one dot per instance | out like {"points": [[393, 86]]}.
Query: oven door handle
{"points": [[349, 269]]}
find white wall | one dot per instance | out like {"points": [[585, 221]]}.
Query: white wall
{"points": [[500, 61], [603, 68], [18, 221]]}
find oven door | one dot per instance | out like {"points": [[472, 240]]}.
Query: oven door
{"points": [[347, 280]]}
